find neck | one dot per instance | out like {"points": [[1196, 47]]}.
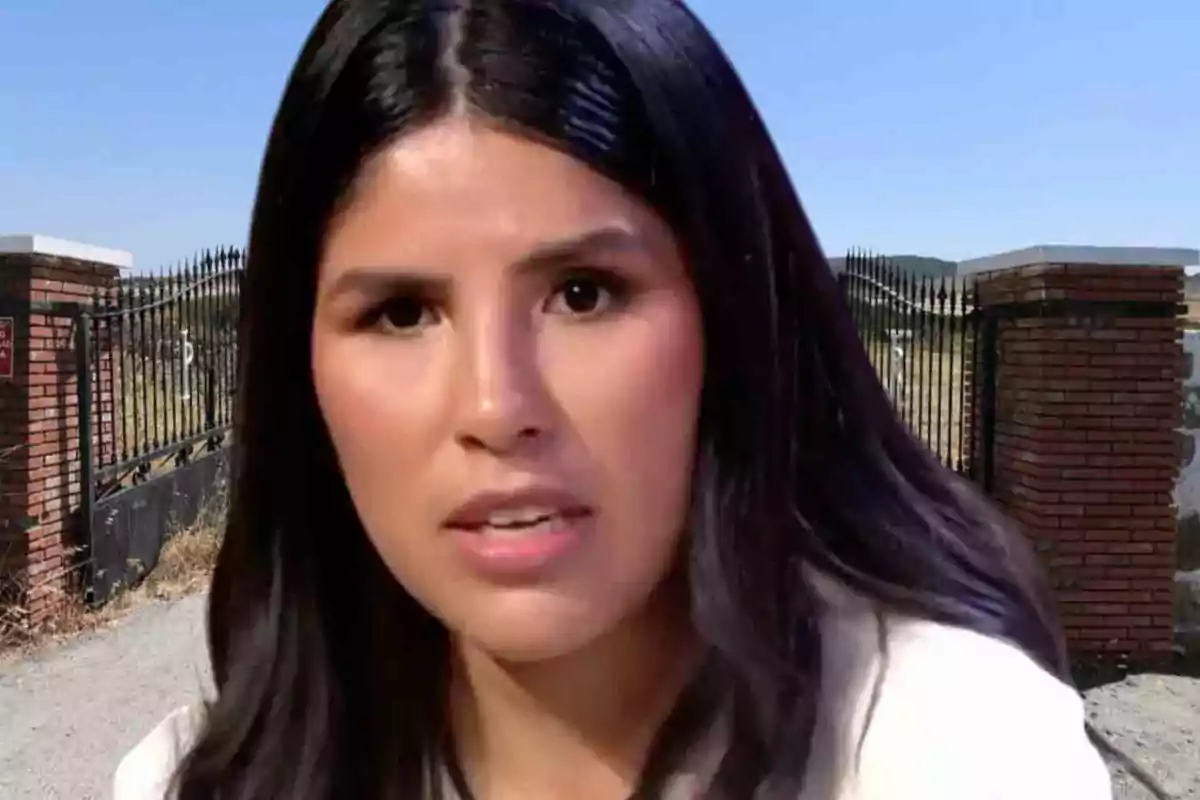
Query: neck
{"points": [[576, 726]]}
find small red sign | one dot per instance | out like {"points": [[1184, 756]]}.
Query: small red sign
{"points": [[7, 329]]}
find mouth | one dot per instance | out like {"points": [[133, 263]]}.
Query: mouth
{"points": [[522, 513], [519, 536], [523, 522]]}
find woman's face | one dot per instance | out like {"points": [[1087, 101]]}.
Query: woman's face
{"points": [[507, 353]]}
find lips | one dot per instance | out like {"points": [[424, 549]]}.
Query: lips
{"points": [[520, 536], [521, 511]]}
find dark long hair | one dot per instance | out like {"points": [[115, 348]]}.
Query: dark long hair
{"points": [[329, 676]]}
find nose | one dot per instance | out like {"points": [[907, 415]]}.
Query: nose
{"points": [[502, 404]]}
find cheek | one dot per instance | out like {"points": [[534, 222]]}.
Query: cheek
{"points": [[380, 404], [632, 396]]}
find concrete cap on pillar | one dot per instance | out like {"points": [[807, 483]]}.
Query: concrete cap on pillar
{"points": [[1083, 254], [36, 244]]}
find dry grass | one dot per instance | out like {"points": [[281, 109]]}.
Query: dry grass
{"points": [[184, 567], [1193, 311], [926, 386], [151, 409]]}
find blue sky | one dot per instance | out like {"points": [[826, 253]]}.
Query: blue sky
{"points": [[954, 128]]}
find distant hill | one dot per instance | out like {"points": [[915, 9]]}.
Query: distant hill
{"points": [[925, 266]]}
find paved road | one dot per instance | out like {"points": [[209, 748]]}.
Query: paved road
{"points": [[68, 714]]}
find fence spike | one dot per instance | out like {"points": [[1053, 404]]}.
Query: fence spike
{"points": [[927, 367]]}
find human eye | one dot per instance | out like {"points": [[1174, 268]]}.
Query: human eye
{"points": [[401, 314], [587, 293]]}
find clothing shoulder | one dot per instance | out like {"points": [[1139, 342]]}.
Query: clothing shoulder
{"points": [[146, 771], [959, 714]]}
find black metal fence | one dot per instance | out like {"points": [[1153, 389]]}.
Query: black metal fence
{"points": [[156, 378], [162, 365], [926, 336]]}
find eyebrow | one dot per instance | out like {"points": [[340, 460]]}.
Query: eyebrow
{"points": [[610, 239]]}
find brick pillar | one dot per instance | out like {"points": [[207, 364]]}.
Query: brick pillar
{"points": [[43, 283], [1086, 452]]}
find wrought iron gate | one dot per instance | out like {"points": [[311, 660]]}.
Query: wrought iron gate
{"points": [[157, 367], [934, 349]]}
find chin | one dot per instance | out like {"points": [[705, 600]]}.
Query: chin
{"points": [[527, 626]]}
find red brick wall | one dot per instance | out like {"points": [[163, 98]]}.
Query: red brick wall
{"points": [[1086, 451], [14, 439], [41, 481]]}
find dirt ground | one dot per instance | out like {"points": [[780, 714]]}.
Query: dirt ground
{"points": [[1155, 719], [69, 711]]}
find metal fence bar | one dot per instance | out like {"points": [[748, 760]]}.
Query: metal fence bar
{"points": [[85, 351], [922, 333], [160, 365]]}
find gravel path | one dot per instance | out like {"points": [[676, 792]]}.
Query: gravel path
{"points": [[68, 714], [1155, 719]]}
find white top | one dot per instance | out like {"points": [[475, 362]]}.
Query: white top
{"points": [[33, 243], [1083, 255], [959, 716]]}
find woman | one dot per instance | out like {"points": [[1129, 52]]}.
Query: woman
{"points": [[560, 470]]}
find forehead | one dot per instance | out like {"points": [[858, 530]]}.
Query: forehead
{"points": [[449, 192]]}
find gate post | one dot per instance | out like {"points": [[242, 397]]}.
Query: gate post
{"points": [[44, 283], [1086, 411]]}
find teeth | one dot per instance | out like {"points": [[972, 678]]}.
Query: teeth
{"points": [[519, 517], [539, 526]]}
